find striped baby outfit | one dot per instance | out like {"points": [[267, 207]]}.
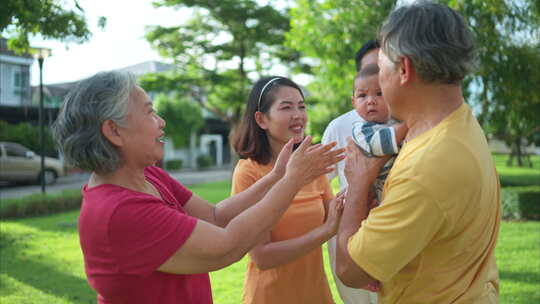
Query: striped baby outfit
{"points": [[375, 140]]}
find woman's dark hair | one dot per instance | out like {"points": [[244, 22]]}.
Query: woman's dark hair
{"points": [[250, 141]]}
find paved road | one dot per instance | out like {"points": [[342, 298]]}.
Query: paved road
{"points": [[75, 181]]}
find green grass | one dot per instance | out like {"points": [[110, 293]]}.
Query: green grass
{"points": [[517, 176], [41, 262]]}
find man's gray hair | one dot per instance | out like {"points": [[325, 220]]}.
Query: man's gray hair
{"points": [[77, 130], [434, 37]]}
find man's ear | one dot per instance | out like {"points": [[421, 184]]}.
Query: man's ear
{"points": [[260, 119], [110, 130], [407, 73]]}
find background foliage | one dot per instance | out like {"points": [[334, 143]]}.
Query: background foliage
{"points": [[52, 19], [28, 136], [182, 117]]}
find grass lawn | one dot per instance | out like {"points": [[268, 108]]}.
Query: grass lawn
{"points": [[40, 261]]}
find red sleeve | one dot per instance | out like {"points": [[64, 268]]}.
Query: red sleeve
{"points": [[145, 232], [179, 191]]}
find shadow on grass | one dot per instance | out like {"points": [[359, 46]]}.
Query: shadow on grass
{"points": [[521, 277], [28, 270], [65, 222]]}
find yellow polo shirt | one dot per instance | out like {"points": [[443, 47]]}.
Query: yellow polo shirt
{"points": [[432, 239]]}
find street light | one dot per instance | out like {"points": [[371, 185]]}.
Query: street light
{"points": [[40, 54]]}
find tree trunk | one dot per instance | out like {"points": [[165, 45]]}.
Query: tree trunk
{"points": [[485, 103], [516, 152]]}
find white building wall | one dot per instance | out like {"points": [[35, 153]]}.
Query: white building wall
{"points": [[9, 94]]}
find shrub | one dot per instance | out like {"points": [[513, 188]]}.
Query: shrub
{"points": [[519, 180], [204, 161], [521, 203], [174, 164], [39, 204]]}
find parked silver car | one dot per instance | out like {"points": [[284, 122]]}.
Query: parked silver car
{"points": [[19, 164]]}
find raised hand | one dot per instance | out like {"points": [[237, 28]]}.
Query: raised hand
{"points": [[334, 212], [307, 163], [280, 167]]}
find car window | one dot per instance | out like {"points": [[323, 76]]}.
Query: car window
{"points": [[15, 151]]}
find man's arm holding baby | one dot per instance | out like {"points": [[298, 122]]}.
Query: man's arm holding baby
{"points": [[361, 171]]}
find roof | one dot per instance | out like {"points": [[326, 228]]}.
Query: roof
{"points": [[148, 67]]}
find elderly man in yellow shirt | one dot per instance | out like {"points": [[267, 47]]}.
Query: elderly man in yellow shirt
{"points": [[432, 239]]}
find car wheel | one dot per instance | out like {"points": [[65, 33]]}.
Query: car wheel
{"points": [[49, 176]]}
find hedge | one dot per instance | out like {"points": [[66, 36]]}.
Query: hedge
{"points": [[39, 204], [521, 203], [174, 164], [204, 161]]}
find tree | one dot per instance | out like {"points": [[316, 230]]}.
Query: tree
{"points": [[183, 118], [49, 18], [220, 50], [508, 37], [517, 120]]}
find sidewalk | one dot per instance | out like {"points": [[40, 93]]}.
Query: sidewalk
{"points": [[186, 177], [77, 180], [203, 176]]}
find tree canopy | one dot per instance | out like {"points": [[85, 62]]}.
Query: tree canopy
{"points": [[219, 51], [49, 18]]}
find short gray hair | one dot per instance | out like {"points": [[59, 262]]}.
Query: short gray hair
{"points": [[77, 130], [434, 37]]}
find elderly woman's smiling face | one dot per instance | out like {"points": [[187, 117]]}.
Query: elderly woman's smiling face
{"points": [[143, 134]]}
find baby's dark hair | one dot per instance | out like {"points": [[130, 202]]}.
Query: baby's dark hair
{"points": [[367, 71]]}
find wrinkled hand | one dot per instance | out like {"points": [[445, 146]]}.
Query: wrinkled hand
{"points": [[307, 163], [360, 167], [334, 213]]}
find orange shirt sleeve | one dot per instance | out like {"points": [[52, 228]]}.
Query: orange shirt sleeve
{"points": [[328, 194], [244, 175]]}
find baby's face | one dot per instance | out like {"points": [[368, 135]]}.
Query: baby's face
{"points": [[368, 100]]}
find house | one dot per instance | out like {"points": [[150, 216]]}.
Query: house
{"points": [[14, 77], [16, 102]]}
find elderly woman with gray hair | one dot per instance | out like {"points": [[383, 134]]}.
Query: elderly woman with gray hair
{"points": [[146, 238], [432, 238]]}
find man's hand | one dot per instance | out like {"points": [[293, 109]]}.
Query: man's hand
{"points": [[360, 167]]}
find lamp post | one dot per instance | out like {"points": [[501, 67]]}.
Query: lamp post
{"points": [[40, 54]]}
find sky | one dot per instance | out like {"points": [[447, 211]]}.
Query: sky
{"points": [[121, 43]]}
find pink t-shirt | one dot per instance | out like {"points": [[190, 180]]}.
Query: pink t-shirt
{"points": [[126, 235]]}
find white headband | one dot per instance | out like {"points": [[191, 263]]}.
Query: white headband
{"points": [[262, 91]]}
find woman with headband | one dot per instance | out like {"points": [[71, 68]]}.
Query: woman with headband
{"points": [[287, 267]]}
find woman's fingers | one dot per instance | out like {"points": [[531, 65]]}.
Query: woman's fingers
{"points": [[305, 144]]}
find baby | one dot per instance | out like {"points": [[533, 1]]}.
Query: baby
{"points": [[378, 135]]}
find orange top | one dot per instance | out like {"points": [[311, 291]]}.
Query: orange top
{"points": [[302, 280]]}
